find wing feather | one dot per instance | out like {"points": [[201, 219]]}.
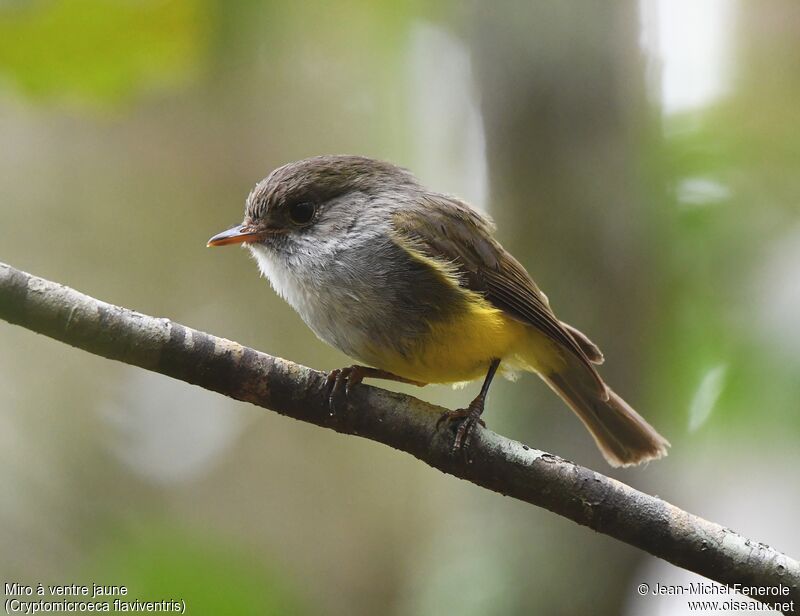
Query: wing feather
{"points": [[450, 231]]}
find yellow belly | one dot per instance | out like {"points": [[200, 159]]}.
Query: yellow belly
{"points": [[462, 348]]}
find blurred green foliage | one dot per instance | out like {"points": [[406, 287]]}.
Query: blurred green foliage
{"points": [[101, 51], [732, 175], [163, 562]]}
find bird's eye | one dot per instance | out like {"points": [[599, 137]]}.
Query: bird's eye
{"points": [[302, 213]]}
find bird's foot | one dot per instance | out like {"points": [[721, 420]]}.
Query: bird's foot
{"points": [[340, 382], [467, 420]]}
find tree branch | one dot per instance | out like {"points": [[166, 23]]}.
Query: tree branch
{"points": [[402, 422]]}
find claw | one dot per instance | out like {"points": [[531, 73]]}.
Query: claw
{"points": [[330, 385], [455, 416], [354, 377], [339, 378], [468, 419], [464, 433]]}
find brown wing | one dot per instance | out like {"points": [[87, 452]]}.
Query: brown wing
{"points": [[447, 229]]}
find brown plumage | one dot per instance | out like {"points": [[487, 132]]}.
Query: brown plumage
{"points": [[449, 231]]}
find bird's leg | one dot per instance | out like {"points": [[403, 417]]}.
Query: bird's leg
{"points": [[470, 416], [349, 377]]}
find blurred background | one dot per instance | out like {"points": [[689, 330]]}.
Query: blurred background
{"points": [[640, 158]]}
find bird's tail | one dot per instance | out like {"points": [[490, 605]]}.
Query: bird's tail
{"points": [[623, 436]]}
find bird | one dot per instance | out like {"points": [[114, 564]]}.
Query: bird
{"points": [[413, 285]]}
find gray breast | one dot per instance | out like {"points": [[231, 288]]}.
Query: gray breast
{"points": [[359, 296]]}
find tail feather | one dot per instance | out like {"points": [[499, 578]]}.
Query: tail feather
{"points": [[623, 436], [592, 351]]}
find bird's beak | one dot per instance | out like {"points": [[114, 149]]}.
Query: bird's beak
{"points": [[240, 234]]}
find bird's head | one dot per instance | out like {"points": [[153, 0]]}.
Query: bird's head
{"points": [[317, 200]]}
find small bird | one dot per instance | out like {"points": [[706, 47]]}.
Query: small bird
{"points": [[412, 284]]}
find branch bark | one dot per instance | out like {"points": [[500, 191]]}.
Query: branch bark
{"points": [[405, 423]]}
